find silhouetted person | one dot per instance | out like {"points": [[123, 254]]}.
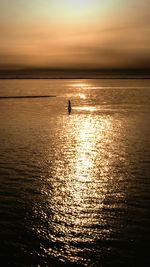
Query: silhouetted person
{"points": [[69, 106]]}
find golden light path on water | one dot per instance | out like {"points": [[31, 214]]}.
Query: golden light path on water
{"points": [[81, 179], [78, 195], [75, 187]]}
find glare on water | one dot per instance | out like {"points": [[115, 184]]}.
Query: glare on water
{"points": [[81, 179], [75, 187]]}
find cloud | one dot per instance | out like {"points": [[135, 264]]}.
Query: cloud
{"points": [[119, 39]]}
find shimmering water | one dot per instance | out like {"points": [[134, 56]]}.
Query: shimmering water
{"points": [[75, 189]]}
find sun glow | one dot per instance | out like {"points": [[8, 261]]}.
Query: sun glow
{"points": [[81, 3], [79, 7]]}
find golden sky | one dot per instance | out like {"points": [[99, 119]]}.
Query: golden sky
{"points": [[74, 33]]}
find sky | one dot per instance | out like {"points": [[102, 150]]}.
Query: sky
{"points": [[74, 33]]}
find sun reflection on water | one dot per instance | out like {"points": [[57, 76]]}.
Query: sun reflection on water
{"points": [[80, 85], [79, 180]]}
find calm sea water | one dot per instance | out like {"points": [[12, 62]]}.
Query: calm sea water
{"points": [[75, 189]]}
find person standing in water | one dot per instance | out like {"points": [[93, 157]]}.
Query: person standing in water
{"points": [[69, 106]]}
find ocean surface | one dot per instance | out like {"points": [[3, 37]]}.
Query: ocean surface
{"points": [[75, 189]]}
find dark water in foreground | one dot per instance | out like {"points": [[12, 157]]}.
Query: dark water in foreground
{"points": [[75, 189]]}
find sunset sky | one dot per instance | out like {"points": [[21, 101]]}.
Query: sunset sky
{"points": [[74, 33]]}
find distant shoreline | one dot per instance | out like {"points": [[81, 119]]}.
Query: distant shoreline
{"points": [[75, 78], [28, 96]]}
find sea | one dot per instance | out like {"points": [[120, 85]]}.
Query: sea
{"points": [[74, 187]]}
